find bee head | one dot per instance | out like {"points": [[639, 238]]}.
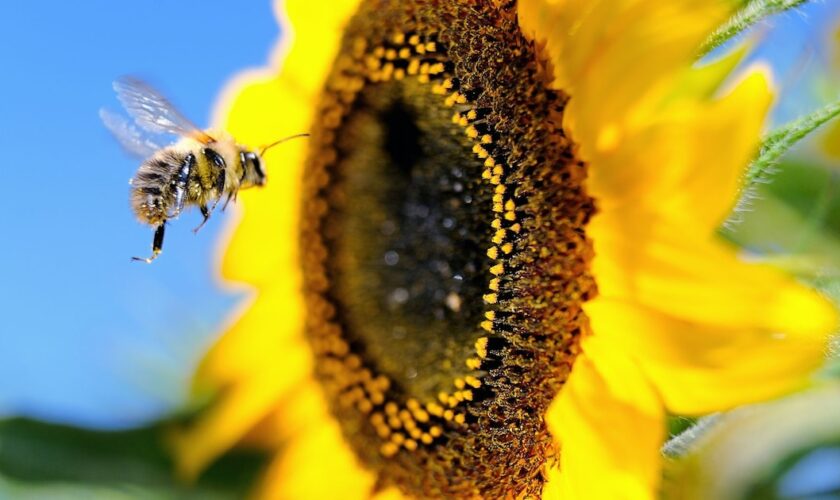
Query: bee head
{"points": [[253, 173]]}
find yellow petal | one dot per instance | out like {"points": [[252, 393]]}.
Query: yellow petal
{"points": [[703, 80], [316, 31], [244, 365], [668, 267], [831, 140], [701, 369], [610, 426], [612, 55], [685, 162], [264, 111], [317, 463]]}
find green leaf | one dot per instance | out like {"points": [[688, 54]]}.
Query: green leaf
{"points": [[42, 454], [750, 13]]}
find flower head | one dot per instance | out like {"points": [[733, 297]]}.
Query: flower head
{"points": [[506, 216]]}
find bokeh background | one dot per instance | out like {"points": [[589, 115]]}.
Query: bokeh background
{"points": [[91, 339]]}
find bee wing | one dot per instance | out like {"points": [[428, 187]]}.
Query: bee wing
{"points": [[154, 112], [129, 136]]}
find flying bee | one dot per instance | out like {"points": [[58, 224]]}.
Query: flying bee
{"points": [[200, 169]]}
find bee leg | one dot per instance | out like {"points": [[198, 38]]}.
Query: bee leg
{"points": [[157, 245], [205, 212], [181, 186], [230, 196]]}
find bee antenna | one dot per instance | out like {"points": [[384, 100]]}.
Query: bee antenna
{"points": [[281, 141]]}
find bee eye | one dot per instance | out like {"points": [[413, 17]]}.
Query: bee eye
{"points": [[258, 166]]}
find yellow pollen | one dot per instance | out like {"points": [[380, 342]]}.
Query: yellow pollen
{"points": [[389, 449], [499, 236], [493, 253], [434, 409], [497, 269], [413, 67], [490, 298], [472, 381], [373, 63], [383, 431]]}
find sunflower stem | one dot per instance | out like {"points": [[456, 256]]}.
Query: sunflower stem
{"points": [[751, 13], [683, 442], [778, 142]]}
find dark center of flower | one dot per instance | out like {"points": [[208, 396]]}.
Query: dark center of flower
{"points": [[409, 236], [444, 252]]}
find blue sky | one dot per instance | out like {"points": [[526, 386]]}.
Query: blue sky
{"points": [[86, 336]]}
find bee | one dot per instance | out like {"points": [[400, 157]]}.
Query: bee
{"points": [[200, 169]]}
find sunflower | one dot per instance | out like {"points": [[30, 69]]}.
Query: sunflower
{"points": [[493, 268]]}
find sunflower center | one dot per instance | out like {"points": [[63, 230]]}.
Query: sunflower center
{"points": [[409, 236], [444, 252]]}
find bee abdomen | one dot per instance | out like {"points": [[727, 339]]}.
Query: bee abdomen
{"points": [[152, 190]]}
